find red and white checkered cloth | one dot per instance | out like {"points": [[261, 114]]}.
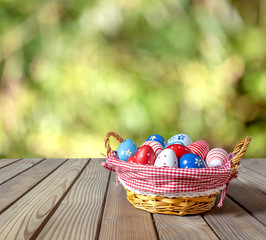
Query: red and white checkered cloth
{"points": [[165, 180]]}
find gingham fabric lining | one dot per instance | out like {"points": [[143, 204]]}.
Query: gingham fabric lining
{"points": [[167, 180], [173, 195]]}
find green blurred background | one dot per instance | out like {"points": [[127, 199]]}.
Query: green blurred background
{"points": [[72, 70]]}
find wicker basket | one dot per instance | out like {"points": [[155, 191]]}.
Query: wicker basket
{"points": [[179, 205]]}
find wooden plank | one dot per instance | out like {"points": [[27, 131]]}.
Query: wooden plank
{"points": [[186, 227], [249, 190], [11, 190], [16, 168], [6, 161], [123, 221], [232, 222], [25, 216], [255, 180], [83, 205], [257, 165]]}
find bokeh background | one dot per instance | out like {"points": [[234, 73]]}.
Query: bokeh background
{"points": [[72, 70]]}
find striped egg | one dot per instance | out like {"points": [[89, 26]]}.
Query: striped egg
{"points": [[156, 146], [201, 148], [217, 157]]}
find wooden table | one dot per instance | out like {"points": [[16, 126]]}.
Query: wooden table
{"points": [[79, 199]]}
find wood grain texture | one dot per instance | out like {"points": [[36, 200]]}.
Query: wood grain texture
{"points": [[232, 222], [183, 228], [249, 190], [257, 165], [17, 167], [25, 216], [121, 220], [6, 161], [11, 190], [253, 179], [65, 199], [78, 215]]}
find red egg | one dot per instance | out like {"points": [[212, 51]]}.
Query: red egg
{"points": [[179, 150], [201, 148], [145, 155], [131, 159], [156, 146]]}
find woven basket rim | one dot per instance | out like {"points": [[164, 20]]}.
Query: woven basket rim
{"points": [[238, 151], [148, 168]]}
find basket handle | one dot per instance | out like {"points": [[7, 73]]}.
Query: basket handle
{"points": [[239, 151], [107, 141]]}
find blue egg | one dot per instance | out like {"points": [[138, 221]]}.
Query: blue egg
{"points": [[126, 149], [191, 160], [157, 138]]}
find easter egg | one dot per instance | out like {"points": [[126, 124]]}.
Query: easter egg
{"points": [[191, 160], [166, 158], [156, 146], [179, 150], [201, 148], [217, 157], [145, 155], [126, 149], [131, 159], [157, 138], [181, 138], [180, 143], [215, 163]]}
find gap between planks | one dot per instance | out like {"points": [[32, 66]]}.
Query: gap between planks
{"points": [[102, 209], [37, 232], [257, 165], [25, 216], [249, 191], [79, 214], [154, 225], [13, 170], [14, 189], [232, 222], [183, 227], [121, 220], [7, 161]]}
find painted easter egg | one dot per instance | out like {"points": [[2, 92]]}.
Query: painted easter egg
{"points": [[191, 160], [131, 159], [201, 148], [157, 138], [181, 138], [179, 150], [180, 143], [217, 157], [145, 155], [166, 158], [156, 146], [126, 149]]}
